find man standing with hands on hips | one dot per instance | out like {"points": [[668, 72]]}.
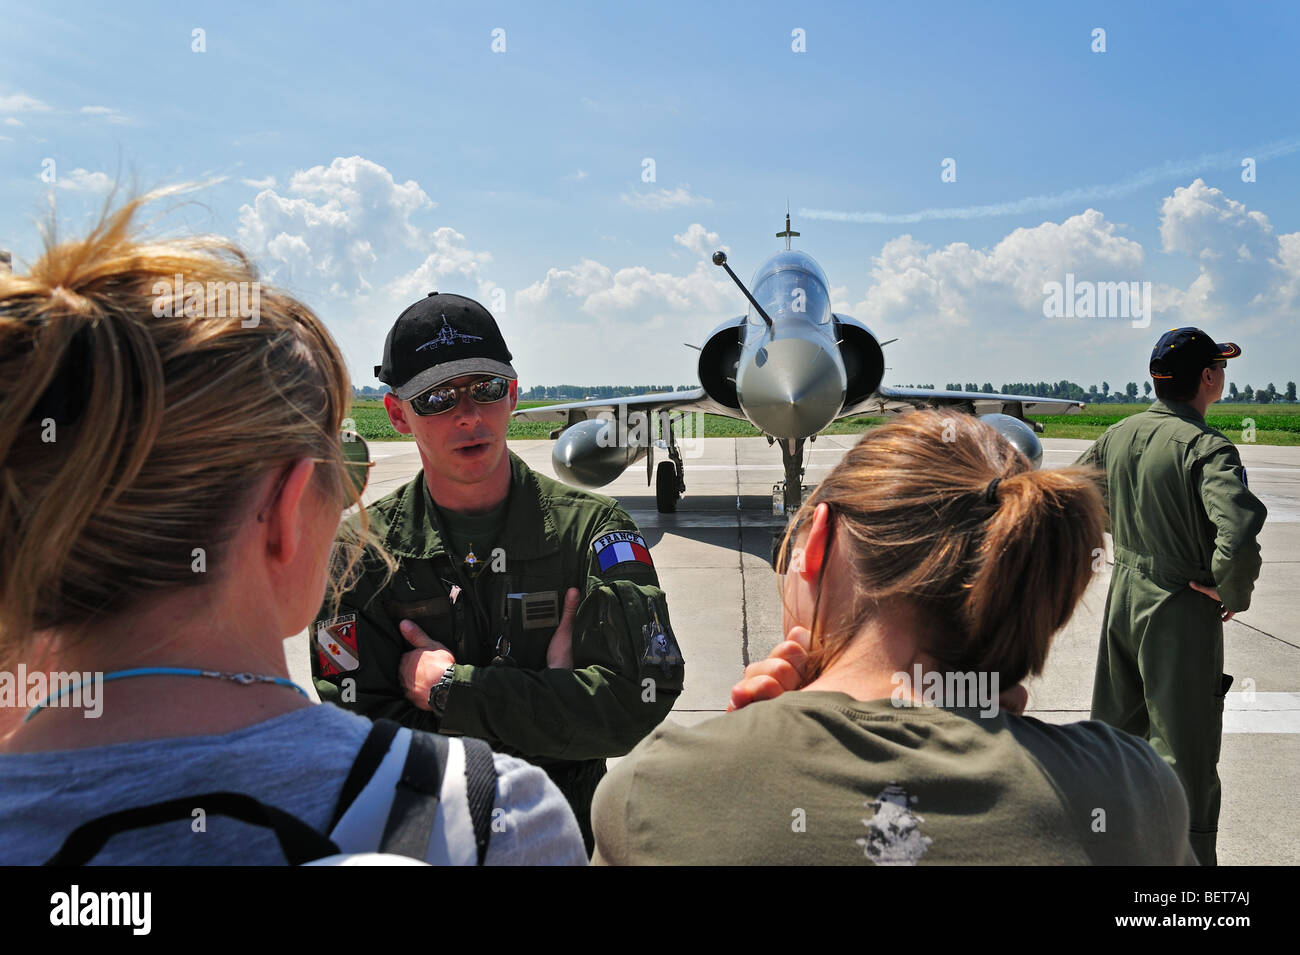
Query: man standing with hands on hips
{"points": [[1185, 525], [522, 612]]}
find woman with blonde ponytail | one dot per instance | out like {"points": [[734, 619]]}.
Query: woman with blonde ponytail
{"points": [[172, 474], [923, 580]]}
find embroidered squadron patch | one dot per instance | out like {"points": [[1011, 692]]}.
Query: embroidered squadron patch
{"points": [[661, 648], [336, 645], [620, 547]]}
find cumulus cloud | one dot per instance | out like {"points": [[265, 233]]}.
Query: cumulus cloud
{"points": [[603, 324], [1244, 264], [596, 290], [950, 286], [699, 240], [966, 313], [664, 199], [22, 103], [80, 180], [10, 121], [332, 223], [977, 313], [450, 257]]}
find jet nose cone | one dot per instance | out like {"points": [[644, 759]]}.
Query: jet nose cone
{"points": [[791, 387]]}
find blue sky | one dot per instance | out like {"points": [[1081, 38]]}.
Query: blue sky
{"points": [[365, 155]]}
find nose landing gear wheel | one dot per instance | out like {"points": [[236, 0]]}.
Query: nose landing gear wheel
{"points": [[666, 487]]}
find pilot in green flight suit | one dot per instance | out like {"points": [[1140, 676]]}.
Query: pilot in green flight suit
{"points": [[487, 550], [1185, 525]]}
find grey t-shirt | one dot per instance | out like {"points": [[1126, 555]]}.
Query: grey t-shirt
{"points": [[296, 762]]}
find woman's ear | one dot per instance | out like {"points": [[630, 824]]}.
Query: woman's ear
{"points": [[819, 536], [287, 517]]}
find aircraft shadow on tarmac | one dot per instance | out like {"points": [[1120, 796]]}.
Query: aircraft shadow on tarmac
{"points": [[713, 519]]}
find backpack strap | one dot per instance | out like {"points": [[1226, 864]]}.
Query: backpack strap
{"points": [[372, 753], [299, 842], [414, 811], [480, 791], [415, 800]]}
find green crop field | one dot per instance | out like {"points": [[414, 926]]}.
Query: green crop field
{"points": [[1274, 424]]}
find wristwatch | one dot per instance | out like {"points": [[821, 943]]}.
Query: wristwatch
{"points": [[441, 690]]}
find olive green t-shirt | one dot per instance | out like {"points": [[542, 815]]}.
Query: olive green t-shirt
{"points": [[471, 537], [819, 778]]}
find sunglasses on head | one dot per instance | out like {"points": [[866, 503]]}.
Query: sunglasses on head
{"points": [[443, 398], [356, 462]]}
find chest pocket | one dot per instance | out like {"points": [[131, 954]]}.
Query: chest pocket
{"points": [[415, 593], [533, 613]]}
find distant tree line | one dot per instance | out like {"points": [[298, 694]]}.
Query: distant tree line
{"points": [[555, 392], [1263, 396], [579, 392], [1039, 389], [1129, 394]]}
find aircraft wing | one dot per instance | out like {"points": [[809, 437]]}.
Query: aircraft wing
{"points": [[574, 411], [893, 400]]}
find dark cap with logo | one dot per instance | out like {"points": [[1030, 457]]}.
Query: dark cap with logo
{"points": [[441, 337], [1187, 349]]}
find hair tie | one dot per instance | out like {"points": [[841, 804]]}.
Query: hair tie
{"points": [[991, 492]]}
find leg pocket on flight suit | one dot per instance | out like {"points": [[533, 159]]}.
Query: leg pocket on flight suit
{"points": [[1225, 681]]}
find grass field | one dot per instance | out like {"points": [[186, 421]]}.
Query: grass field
{"points": [[1276, 424]]}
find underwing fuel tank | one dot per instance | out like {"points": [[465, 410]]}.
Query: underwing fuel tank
{"points": [[1020, 435], [593, 453]]}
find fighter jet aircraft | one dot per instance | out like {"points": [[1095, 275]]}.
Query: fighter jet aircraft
{"points": [[789, 366]]}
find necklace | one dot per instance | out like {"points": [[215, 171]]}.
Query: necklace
{"points": [[244, 679]]}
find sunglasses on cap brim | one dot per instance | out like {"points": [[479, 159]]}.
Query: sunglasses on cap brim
{"points": [[443, 398], [356, 460]]}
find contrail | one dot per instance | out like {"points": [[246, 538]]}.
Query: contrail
{"points": [[1170, 169]]}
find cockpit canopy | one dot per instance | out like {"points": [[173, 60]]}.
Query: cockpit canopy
{"points": [[791, 283]]}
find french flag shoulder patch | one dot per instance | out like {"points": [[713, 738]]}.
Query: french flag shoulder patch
{"points": [[620, 547]]}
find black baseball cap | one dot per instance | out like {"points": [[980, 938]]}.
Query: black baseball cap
{"points": [[441, 337], [1187, 349]]}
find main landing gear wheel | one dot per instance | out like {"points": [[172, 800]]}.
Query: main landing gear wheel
{"points": [[666, 487]]}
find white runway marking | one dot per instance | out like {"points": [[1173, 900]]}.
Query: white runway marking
{"points": [[666, 522], [746, 467], [1266, 713]]}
